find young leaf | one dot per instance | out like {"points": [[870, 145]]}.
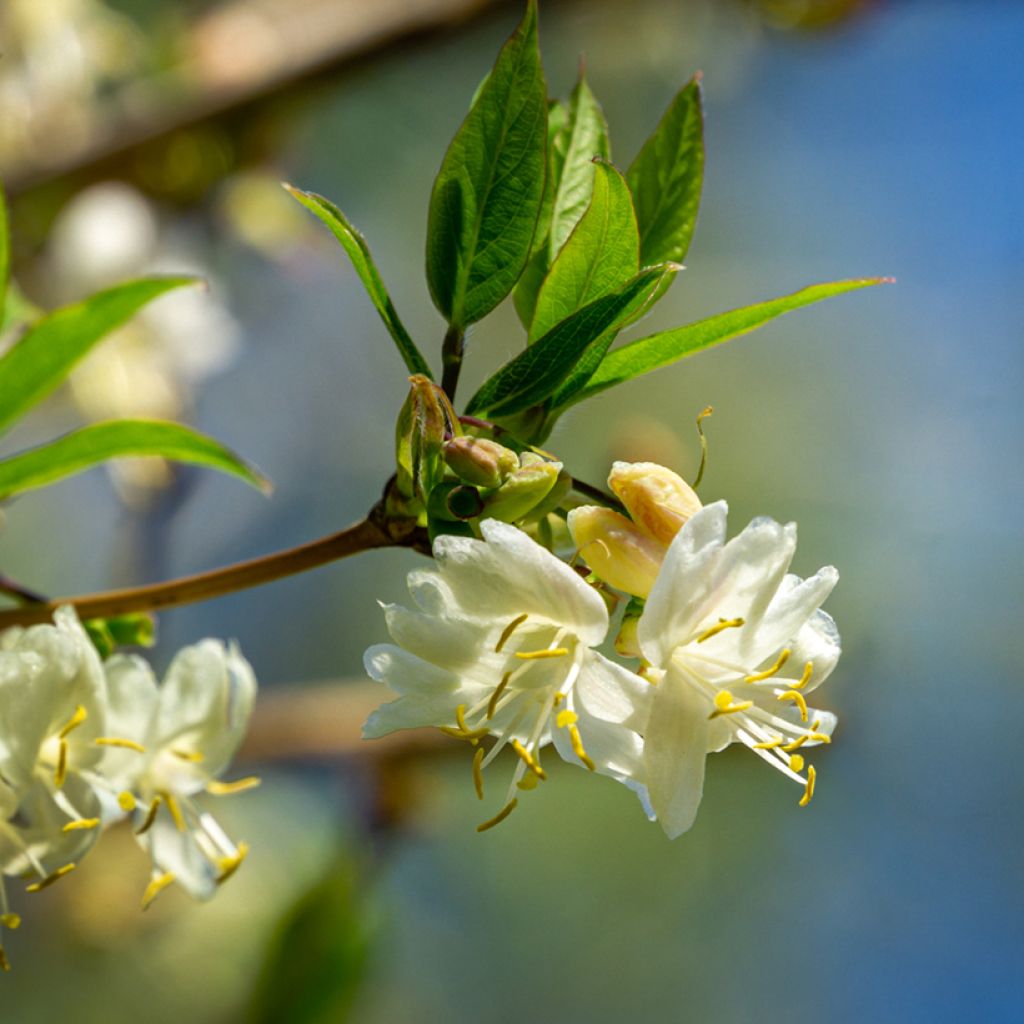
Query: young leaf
{"points": [[577, 132], [358, 252], [667, 347], [535, 373], [488, 193], [115, 439], [666, 179], [601, 254], [49, 350]]}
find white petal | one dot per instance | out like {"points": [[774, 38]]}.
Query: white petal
{"points": [[453, 643], [132, 701], [405, 673], [675, 749], [613, 693], [179, 853], [683, 585], [614, 749], [817, 643], [410, 712]]}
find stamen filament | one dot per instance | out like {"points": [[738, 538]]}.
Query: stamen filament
{"points": [[756, 677], [500, 816], [718, 627], [508, 631]]}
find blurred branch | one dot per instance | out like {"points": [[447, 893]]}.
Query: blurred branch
{"points": [[241, 54]]}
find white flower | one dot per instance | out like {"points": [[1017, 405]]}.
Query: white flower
{"points": [[51, 713], [170, 743], [502, 645], [740, 643]]}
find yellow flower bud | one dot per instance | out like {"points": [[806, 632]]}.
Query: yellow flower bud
{"points": [[479, 461], [659, 500], [615, 549]]}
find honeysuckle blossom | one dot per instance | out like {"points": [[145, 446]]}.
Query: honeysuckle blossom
{"points": [[501, 644], [737, 644], [176, 740]]}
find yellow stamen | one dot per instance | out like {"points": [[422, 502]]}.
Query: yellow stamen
{"points": [[796, 745], [126, 801], [191, 756], [478, 775], [155, 887], [217, 788], [528, 781], [175, 808], [45, 883], [500, 816], [11, 921], [150, 815], [82, 823], [718, 627], [796, 762], [60, 773], [463, 732], [577, 746], [776, 741], [769, 672], [119, 741], [806, 677], [726, 704], [548, 652], [798, 699], [229, 865], [559, 697], [566, 717], [818, 737], [528, 760], [492, 704], [73, 722], [508, 631], [808, 787]]}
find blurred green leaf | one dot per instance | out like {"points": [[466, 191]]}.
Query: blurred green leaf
{"points": [[136, 629], [116, 439], [18, 311], [317, 961], [358, 252], [488, 193], [667, 347], [535, 373], [577, 133], [5, 256], [666, 179], [38, 363], [601, 254]]}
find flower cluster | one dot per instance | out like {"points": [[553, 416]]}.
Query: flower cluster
{"points": [[725, 646], [86, 743]]}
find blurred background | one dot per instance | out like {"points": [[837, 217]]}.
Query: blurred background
{"points": [[844, 139]]}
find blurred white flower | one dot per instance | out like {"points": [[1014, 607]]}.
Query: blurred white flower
{"points": [[170, 743], [502, 645], [737, 644]]}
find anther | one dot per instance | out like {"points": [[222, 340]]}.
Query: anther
{"points": [[528, 781], [126, 801], [73, 722], [147, 824], [175, 808], [119, 741], [527, 758], [191, 756], [157, 886], [808, 786], [60, 772], [577, 746], [500, 816], [771, 744], [218, 788], [11, 921], [566, 717], [508, 631], [806, 677], [56, 876], [478, 775], [548, 652], [756, 677], [81, 823], [796, 744], [798, 699], [726, 704], [718, 627], [796, 762], [229, 865], [492, 704]]}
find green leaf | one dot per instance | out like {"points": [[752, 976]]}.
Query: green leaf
{"points": [[114, 439], [666, 179], [577, 133], [358, 252], [5, 255], [667, 347], [599, 257], [18, 311], [535, 373], [37, 364], [488, 193]]}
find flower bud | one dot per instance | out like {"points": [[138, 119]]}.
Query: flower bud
{"points": [[479, 461], [523, 491], [426, 419], [615, 549], [627, 643], [658, 500]]}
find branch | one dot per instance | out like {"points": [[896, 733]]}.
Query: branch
{"points": [[369, 533]]}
